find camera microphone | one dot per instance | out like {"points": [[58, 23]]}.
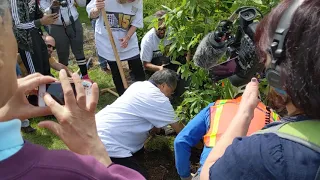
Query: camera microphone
{"points": [[209, 51]]}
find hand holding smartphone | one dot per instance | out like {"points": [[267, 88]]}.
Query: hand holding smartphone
{"points": [[56, 92]]}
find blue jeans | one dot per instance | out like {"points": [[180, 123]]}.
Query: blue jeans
{"points": [[93, 24], [103, 63]]}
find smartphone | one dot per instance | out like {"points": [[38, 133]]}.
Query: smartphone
{"points": [[55, 10], [224, 70], [56, 92]]}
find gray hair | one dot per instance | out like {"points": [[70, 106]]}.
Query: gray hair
{"points": [[166, 76]]}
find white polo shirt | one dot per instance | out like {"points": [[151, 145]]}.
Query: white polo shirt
{"points": [[124, 125], [150, 46], [120, 17]]}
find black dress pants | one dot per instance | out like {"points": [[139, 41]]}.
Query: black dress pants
{"points": [[137, 72]]}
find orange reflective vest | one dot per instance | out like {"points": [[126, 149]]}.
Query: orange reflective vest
{"points": [[223, 111]]}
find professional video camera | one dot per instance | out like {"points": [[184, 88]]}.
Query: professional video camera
{"points": [[56, 4], [236, 45]]}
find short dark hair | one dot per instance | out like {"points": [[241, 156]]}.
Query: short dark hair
{"points": [[300, 69], [166, 76]]}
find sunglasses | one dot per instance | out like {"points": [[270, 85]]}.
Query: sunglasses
{"points": [[50, 46]]}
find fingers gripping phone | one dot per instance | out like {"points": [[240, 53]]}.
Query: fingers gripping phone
{"points": [[56, 92]]}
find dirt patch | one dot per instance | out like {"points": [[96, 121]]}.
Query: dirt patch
{"points": [[159, 159]]}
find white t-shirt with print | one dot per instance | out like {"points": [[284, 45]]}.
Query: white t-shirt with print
{"points": [[150, 46], [120, 17], [124, 125]]}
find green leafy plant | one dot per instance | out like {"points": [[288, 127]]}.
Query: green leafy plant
{"points": [[188, 24]]}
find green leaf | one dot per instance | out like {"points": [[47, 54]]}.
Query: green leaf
{"points": [[176, 62], [179, 14], [167, 8]]}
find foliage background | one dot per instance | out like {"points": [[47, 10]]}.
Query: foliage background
{"points": [[189, 23]]}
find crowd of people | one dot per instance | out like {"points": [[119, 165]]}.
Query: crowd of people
{"points": [[105, 145]]}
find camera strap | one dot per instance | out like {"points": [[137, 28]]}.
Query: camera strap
{"points": [[72, 23]]}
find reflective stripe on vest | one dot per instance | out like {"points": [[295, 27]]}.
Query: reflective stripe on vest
{"points": [[223, 111]]}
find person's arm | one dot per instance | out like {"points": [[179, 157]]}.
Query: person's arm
{"points": [[177, 127], [124, 41], [131, 31], [137, 22], [94, 8], [188, 138], [146, 55], [151, 67], [159, 110], [237, 128], [58, 66]]}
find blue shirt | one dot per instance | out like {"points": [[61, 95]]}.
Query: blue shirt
{"points": [[189, 137], [266, 156], [10, 138]]}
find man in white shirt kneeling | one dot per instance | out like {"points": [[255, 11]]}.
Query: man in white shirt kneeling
{"points": [[124, 125]]}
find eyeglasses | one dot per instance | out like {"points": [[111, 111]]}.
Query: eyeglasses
{"points": [[50, 46]]}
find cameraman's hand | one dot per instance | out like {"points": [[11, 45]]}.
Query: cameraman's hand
{"points": [[100, 4], [76, 125], [18, 106], [49, 19]]}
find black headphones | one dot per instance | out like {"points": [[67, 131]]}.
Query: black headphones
{"points": [[273, 73]]}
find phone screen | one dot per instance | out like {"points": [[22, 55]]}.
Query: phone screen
{"points": [[55, 90], [224, 70]]}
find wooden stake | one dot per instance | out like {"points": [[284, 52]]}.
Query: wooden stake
{"points": [[115, 51], [109, 91]]}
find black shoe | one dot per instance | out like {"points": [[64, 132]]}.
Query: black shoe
{"points": [[28, 129]]}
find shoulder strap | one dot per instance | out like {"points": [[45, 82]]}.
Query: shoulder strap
{"points": [[303, 132], [317, 175]]}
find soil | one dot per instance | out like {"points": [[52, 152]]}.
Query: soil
{"points": [[159, 159]]}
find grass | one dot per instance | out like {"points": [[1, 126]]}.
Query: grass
{"points": [[83, 15]]}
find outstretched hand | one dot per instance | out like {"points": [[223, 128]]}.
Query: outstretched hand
{"points": [[18, 107], [76, 125], [76, 120]]}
